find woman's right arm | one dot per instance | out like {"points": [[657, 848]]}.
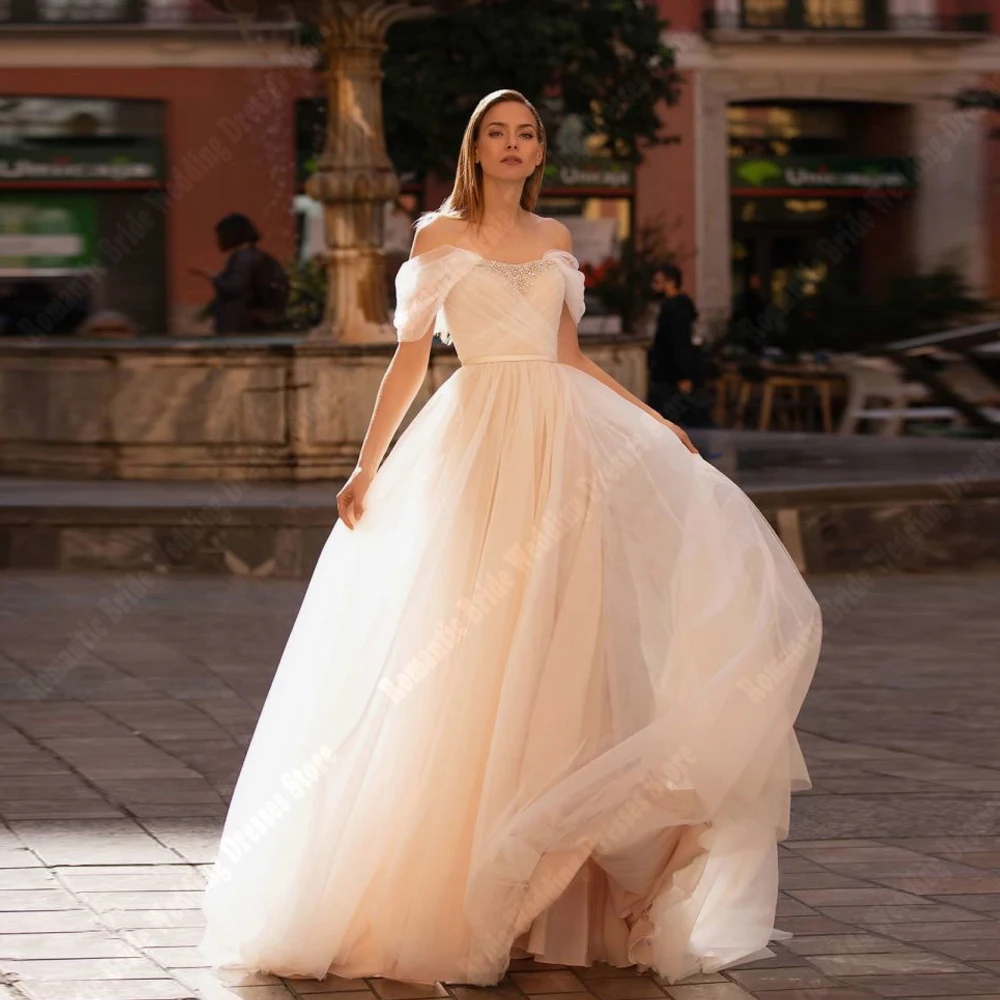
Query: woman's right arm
{"points": [[399, 387], [400, 384]]}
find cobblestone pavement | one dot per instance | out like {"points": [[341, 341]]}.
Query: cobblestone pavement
{"points": [[125, 708]]}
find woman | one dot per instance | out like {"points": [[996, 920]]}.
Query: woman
{"points": [[538, 698], [245, 286]]}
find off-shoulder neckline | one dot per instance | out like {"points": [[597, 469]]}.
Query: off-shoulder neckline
{"points": [[492, 260]]}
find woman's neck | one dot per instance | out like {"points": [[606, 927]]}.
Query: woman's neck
{"points": [[502, 210]]}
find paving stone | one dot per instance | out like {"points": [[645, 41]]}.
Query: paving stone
{"points": [[92, 842], [104, 878], [179, 957], [926, 985], [116, 989], [27, 878], [890, 877], [947, 931], [975, 950], [142, 919], [927, 911], [48, 921], [163, 937], [931, 886], [617, 988], [854, 897], [204, 986], [819, 880], [808, 925], [82, 969], [366, 995], [84, 944], [843, 944], [164, 899], [715, 991], [15, 900], [564, 981], [878, 965], [833, 993], [357, 989], [987, 902], [391, 989], [757, 980]]}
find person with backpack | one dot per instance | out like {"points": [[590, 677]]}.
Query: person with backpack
{"points": [[251, 291]]}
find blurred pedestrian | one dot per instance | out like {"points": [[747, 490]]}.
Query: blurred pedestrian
{"points": [[251, 291], [676, 365]]}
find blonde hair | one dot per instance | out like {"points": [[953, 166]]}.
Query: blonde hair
{"points": [[466, 199]]}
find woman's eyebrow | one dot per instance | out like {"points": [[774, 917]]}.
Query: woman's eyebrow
{"points": [[522, 125]]}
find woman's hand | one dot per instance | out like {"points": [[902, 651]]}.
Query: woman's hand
{"points": [[351, 498], [682, 434]]}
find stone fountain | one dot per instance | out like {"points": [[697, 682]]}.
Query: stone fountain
{"points": [[354, 177], [288, 407]]}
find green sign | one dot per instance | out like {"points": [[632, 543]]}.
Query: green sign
{"points": [[811, 173], [597, 172], [118, 162], [47, 231]]}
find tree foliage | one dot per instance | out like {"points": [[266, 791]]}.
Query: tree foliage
{"points": [[603, 60]]}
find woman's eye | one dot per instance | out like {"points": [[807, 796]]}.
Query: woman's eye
{"points": [[494, 135], [526, 135]]}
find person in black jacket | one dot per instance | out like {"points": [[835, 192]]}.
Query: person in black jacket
{"points": [[674, 359], [241, 302]]}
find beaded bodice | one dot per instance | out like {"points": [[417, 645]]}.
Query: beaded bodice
{"points": [[520, 275], [488, 308]]}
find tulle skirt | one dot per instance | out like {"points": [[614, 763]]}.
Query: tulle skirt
{"points": [[540, 701]]}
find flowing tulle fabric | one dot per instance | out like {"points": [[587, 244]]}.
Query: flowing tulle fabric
{"points": [[540, 701]]}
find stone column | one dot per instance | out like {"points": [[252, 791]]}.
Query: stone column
{"points": [[951, 187], [713, 224], [354, 177]]}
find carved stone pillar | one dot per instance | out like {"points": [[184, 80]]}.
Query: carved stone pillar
{"points": [[354, 177]]}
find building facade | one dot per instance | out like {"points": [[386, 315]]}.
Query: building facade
{"points": [[821, 138], [127, 129], [815, 137]]}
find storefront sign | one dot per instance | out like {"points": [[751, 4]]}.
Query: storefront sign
{"points": [[69, 12], [815, 173], [593, 173], [47, 231], [131, 163]]}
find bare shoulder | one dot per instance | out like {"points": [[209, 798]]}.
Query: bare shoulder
{"points": [[556, 234], [435, 231]]}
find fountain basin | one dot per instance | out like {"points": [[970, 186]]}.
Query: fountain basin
{"points": [[223, 408]]}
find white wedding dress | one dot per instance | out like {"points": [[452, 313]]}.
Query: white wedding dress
{"points": [[539, 702]]}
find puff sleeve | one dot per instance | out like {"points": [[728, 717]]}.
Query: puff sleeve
{"points": [[574, 279], [422, 284]]}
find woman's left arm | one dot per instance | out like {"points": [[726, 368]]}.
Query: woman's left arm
{"points": [[569, 353]]}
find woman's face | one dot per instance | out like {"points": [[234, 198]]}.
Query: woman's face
{"points": [[508, 146]]}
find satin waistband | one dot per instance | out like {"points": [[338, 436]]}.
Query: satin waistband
{"points": [[507, 357]]}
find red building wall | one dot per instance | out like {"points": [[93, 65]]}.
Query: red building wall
{"points": [[229, 147], [665, 182]]}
